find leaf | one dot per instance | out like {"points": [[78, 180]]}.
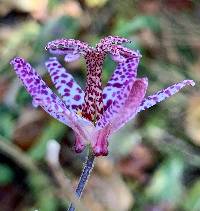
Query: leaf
{"points": [[192, 199], [7, 122], [124, 28], [52, 131], [6, 175], [42, 193], [166, 183]]}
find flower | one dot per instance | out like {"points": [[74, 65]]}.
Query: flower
{"points": [[96, 113]]}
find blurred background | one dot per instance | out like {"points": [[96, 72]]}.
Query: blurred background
{"points": [[154, 162]]}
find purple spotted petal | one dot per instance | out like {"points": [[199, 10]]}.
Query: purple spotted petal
{"points": [[117, 90], [70, 91], [99, 141], [72, 49], [118, 53], [163, 94], [124, 74], [79, 144], [43, 96], [107, 42], [100, 138], [129, 106]]}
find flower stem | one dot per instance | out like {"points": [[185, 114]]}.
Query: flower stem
{"points": [[84, 177]]}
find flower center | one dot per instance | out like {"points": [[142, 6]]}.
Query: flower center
{"points": [[93, 106]]}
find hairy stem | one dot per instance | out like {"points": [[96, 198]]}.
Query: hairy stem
{"points": [[84, 177]]}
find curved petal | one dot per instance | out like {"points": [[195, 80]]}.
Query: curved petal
{"points": [[108, 41], [120, 53], [70, 91], [131, 105], [117, 90], [99, 141], [129, 108], [163, 94], [79, 144], [72, 49], [44, 97], [124, 74], [111, 45]]}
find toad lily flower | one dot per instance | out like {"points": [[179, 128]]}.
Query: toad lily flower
{"points": [[93, 114]]}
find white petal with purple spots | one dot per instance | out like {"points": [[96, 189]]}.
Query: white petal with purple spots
{"points": [[163, 94], [70, 91], [44, 97], [71, 48]]}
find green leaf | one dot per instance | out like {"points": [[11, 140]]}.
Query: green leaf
{"points": [[55, 28], [166, 183], [124, 28], [54, 130], [7, 122], [6, 174], [42, 192], [192, 199]]}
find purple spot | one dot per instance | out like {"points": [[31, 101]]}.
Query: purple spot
{"points": [[117, 85], [79, 90], [29, 80], [53, 73], [63, 81], [77, 97], [167, 92], [109, 103], [66, 90], [67, 94], [74, 106], [70, 84], [53, 96], [44, 92], [113, 94], [119, 97], [64, 75], [37, 81]]}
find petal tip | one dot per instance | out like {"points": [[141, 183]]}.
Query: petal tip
{"points": [[78, 148], [100, 152], [139, 54], [189, 82], [35, 103], [16, 59], [192, 83]]}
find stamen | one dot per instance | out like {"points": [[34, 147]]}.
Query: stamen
{"points": [[93, 107], [79, 112]]}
